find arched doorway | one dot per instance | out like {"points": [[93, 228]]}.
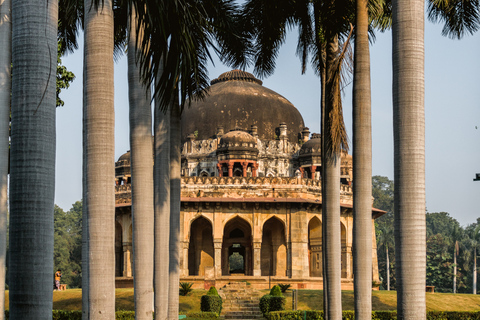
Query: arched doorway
{"points": [[315, 258], [274, 250], [118, 250], [200, 248], [237, 248]]}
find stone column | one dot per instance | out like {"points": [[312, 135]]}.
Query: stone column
{"points": [[219, 168], [244, 168], [225, 264], [302, 171], [254, 169], [288, 246], [299, 244], [127, 259], [184, 271], [349, 263], [248, 261], [313, 169], [217, 244], [230, 168], [257, 271]]}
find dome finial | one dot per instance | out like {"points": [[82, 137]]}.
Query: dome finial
{"points": [[236, 75]]}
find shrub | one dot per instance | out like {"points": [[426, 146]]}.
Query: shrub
{"points": [[211, 302], [274, 301], [212, 291], [276, 291], [376, 315], [265, 304], [284, 287], [125, 315], [185, 288], [201, 315], [66, 315]]}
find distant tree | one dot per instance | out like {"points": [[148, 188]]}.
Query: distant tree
{"points": [[448, 231], [386, 246], [382, 192], [68, 244], [64, 76], [440, 223], [439, 263]]}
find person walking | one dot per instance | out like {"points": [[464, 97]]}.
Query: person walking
{"points": [[58, 276]]}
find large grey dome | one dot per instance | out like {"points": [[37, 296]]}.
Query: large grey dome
{"points": [[237, 99]]}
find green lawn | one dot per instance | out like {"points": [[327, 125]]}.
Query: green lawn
{"points": [[308, 300]]}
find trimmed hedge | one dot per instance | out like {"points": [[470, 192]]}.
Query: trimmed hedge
{"points": [[201, 315], [77, 315], [376, 315], [211, 302], [274, 301]]}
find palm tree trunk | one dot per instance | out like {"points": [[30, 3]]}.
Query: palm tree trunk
{"points": [[331, 192], [5, 91], [32, 178], [142, 180], [409, 152], [475, 270], [362, 168], [162, 211], [98, 135], [174, 243], [388, 269], [455, 267]]}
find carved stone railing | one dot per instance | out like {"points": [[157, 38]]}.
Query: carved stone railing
{"points": [[229, 184], [253, 181]]}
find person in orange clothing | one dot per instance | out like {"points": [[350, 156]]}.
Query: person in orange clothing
{"points": [[58, 276]]}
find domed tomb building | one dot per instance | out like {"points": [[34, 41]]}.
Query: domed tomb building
{"points": [[251, 193]]}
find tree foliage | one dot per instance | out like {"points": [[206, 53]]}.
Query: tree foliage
{"points": [[64, 76], [68, 244], [444, 233]]}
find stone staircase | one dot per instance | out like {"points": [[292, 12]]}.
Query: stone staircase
{"points": [[240, 302]]}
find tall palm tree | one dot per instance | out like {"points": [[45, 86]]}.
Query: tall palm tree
{"points": [[32, 171], [362, 167], [174, 241], [474, 242], [321, 29], [142, 179], [386, 240], [5, 91], [178, 60], [455, 236], [99, 174], [409, 151], [162, 211]]}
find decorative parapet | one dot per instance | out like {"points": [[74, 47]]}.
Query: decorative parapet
{"points": [[245, 187]]}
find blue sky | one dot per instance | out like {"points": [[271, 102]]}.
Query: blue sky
{"points": [[452, 112]]}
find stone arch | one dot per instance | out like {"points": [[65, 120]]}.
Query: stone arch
{"points": [[192, 220], [274, 249], [200, 248], [279, 219], [343, 233], [237, 217], [204, 173], [315, 258], [237, 247]]}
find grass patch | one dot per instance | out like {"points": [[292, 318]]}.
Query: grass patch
{"points": [[71, 299]]}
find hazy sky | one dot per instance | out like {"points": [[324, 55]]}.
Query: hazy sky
{"points": [[452, 111]]}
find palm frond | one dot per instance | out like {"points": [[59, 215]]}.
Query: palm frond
{"points": [[70, 22], [380, 14], [460, 16]]}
